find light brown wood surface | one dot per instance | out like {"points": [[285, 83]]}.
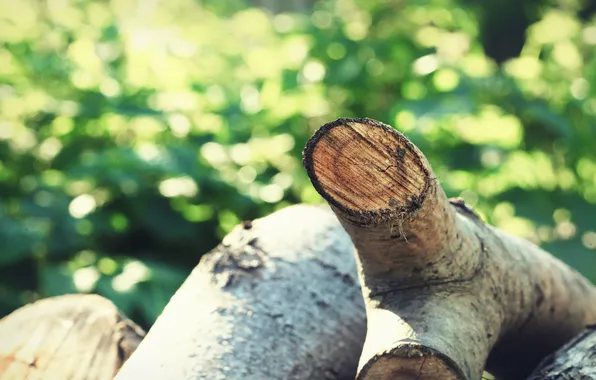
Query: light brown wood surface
{"points": [[74, 337]]}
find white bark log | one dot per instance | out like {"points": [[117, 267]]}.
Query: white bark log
{"points": [[574, 361], [278, 299], [445, 293]]}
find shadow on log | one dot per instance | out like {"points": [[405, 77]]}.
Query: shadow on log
{"points": [[442, 289], [278, 299], [76, 337]]}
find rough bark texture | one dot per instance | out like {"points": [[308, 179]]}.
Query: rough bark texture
{"points": [[574, 361], [72, 337], [278, 299], [441, 288]]}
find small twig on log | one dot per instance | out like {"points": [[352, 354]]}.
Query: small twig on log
{"points": [[77, 337], [278, 299], [441, 288]]}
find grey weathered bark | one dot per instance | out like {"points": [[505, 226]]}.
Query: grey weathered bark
{"points": [[77, 337], [574, 361], [442, 289], [278, 299]]}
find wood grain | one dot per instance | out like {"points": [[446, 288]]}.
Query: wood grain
{"points": [[75, 337], [377, 167]]}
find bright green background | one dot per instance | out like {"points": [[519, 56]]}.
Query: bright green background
{"points": [[135, 134]]}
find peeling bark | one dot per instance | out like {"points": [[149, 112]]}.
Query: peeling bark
{"points": [[278, 299], [77, 337], [574, 361], [442, 289]]}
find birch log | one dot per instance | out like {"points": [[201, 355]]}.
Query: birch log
{"points": [[76, 337], [278, 299], [442, 289], [574, 361]]}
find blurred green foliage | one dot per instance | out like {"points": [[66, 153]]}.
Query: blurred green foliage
{"points": [[135, 134]]}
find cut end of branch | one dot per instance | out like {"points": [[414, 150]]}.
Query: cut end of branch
{"points": [[66, 337], [366, 168], [411, 362]]}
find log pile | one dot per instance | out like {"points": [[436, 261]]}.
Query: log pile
{"points": [[432, 292]]}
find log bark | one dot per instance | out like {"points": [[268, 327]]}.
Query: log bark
{"points": [[278, 299], [573, 361], [442, 289], [68, 337]]}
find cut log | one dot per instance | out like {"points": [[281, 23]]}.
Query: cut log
{"points": [[442, 289], [278, 299], [77, 337], [573, 361]]}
